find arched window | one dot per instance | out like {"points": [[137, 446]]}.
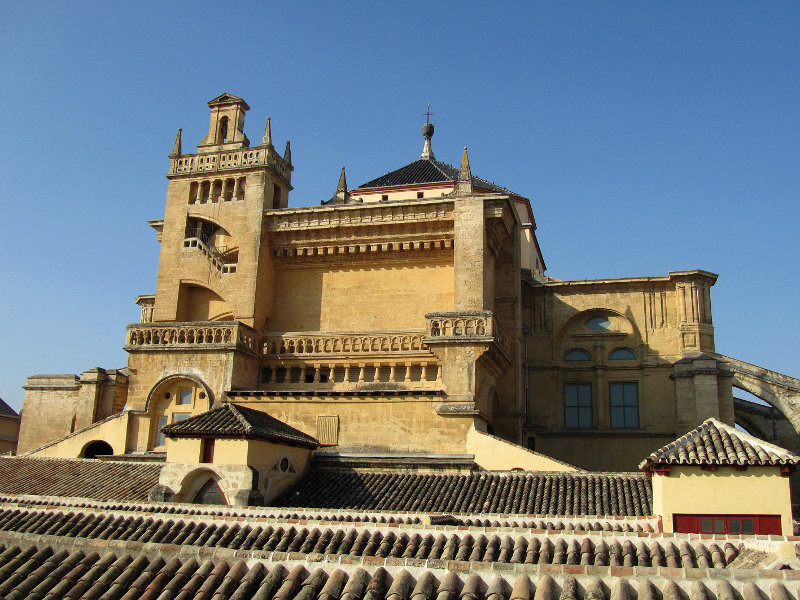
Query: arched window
{"points": [[598, 324], [577, 356], [622, 354], [210, 493]]}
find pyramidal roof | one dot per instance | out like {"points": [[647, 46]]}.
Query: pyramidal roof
{"points": [[6, 411], [715, 443], [428, 170], [231, 420]]}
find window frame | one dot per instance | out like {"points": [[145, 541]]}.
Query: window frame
{"points": [[578, 408], [623, 407], [572, 355]]}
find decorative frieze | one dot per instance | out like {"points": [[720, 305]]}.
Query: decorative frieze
{"points": [[222, 335], [358, 215]]}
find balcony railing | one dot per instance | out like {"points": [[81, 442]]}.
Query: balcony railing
{"points": [[199, 334], [345, 343], [466, 326], [196, 238]]}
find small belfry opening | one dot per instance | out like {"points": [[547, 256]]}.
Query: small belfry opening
{"points": [[223, 130]]}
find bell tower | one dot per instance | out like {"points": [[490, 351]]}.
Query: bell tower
{"points": [[212, 247], [226, 127]]}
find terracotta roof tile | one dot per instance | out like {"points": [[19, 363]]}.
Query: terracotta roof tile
{"points": [[482, 492], [234, 421], [715, 443], [81, 478]]}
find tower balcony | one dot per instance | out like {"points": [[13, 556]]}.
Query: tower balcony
{"points": [[197, 335], [471, 327]]}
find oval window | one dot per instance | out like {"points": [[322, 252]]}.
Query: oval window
{"points": [[577, 355], [622, 354], [598, 324]]}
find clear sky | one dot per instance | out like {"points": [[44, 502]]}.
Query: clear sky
{"points": [[649, 136]]}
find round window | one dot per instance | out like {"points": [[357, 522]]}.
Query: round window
{"points": [[598, 324]]}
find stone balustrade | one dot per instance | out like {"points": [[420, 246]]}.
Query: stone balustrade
{"points": [[346, 343], [466, 326], [230, 159], [333, 375], [206, 334]]}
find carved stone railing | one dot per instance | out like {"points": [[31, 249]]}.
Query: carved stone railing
{"points": [[231, 159], [308, 344], [221, 335], [466, 326]]}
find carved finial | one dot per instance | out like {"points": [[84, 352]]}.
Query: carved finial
{"points": [[342, 196], [287, 155], [342, 187], [464, 181], [427, 133], [176, 147], [267, 141]]}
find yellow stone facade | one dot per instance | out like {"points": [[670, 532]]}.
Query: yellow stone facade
{"points": [[394, 319]]}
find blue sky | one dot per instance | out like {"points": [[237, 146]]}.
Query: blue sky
{"points": [[649, 136]]}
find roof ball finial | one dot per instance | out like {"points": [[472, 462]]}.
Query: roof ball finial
{"points": [[427, 132]]}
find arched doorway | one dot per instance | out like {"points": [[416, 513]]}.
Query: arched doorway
{"points": [[97, 448]]}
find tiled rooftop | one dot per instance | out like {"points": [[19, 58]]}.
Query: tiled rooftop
{"points": [[232, 420], [715, 443], [28, 572], [77, 478], [480, 492], [530, 548], [426, 171]]}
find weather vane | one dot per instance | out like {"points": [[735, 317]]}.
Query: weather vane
{"points": [[428, 114]]}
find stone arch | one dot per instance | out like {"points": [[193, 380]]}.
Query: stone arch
{"points": [[779, 391], [196, 481], [174, 377], [198, 301], [628, 327], [96, 448], [751, 426]]}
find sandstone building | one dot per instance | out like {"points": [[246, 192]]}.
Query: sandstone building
{"points": [[386, 397]]}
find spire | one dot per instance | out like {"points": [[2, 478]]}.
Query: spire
{"points": [[267, 141], [287, 155], [341, 195], [427, 133], [464, 181], [176, 147]]}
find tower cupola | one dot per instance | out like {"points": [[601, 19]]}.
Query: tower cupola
{"points": [[226, 128]]}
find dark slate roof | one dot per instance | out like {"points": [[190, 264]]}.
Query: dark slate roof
{"points": [[625, 494], [232, 420], [80, 478], [427, 171], [715, 443], [56, 573], [6, 411]]}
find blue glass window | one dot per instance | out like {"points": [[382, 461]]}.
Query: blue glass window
{"points": [[624, 404], [577, 355], [622, 354], [578, 405]]}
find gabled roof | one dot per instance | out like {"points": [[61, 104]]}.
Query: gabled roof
{"points": [[427, 171], [227, 99], [715, 443], [231, 420], [7, 412]]}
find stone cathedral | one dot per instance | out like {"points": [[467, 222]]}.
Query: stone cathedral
{"points": [[409, 316]]}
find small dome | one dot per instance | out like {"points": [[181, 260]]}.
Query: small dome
{"points": [[427, 129]]}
